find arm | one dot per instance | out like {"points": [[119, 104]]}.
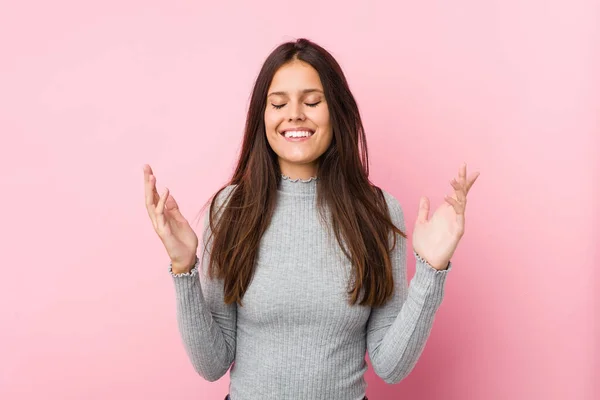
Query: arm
{"points": [[206, 324], [397, 331]]}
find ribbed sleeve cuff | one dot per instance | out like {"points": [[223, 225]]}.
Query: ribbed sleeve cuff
{"points": [[429, 282], [191, 273], [424, 263]]}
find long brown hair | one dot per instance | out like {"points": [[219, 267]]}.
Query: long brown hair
{"points": [[359, 215]]}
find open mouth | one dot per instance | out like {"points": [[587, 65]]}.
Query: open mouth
{"points": [[297, 133]]}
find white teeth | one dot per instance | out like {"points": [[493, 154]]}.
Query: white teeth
{"points": [[298, 134]]}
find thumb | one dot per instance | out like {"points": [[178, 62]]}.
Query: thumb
{"points": [[423, 214]]}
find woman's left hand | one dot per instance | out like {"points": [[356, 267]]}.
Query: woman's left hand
{"points": [[435, 239]]}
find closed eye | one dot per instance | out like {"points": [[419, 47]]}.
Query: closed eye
{"points": [[278, 106]]}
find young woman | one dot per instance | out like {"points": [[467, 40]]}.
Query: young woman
{"points": [[303, 268]]}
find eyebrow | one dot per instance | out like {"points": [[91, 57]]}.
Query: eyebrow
{"points": [[303, 92]]}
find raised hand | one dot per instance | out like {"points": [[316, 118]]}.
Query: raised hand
{"points": [[435, 239], [174, 231]]}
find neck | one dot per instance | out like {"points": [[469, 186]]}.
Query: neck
{"points": [[298, 186], [298, 171]]}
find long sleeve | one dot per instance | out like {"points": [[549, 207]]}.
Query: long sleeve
{"points": [[397, 331], [207, 325]]}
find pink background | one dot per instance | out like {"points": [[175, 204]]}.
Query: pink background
{"points": [[90, 91]]}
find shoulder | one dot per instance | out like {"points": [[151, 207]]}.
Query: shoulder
{"points": [[217, 204], [392, 202], [220, 198], [394, 207], [224, 194]]}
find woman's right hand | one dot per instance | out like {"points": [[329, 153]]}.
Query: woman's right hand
{"points": [[177, 235]]}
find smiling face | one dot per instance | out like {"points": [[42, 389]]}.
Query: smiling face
{"points": [[296, 102]]}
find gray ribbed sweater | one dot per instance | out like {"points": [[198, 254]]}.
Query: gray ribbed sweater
{"points": [[296, 337]]}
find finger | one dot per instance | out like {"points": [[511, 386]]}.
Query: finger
{"points": [[172, 209], [148, 194], [160, 209], [150, 182], [472, 180], [151, 175], [147, 187], [458, 207], [155, 195], [148, 174], [459, 189], [460, 214], [462, 173], [148, 169], [423, 213], [152, 197]]}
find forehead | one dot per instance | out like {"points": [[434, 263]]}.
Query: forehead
{"points": [[295, 76]]}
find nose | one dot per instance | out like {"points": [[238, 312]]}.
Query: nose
{"points": [[296, 113]]}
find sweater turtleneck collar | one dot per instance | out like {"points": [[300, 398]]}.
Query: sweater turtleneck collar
{"points": [[298, 186]]}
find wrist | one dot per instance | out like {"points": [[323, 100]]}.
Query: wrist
{"points": [[183, 268], [437, 265]]}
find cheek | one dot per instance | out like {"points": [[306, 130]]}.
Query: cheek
{"points": [[322, 119], [271, 120], [325, 122]]}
